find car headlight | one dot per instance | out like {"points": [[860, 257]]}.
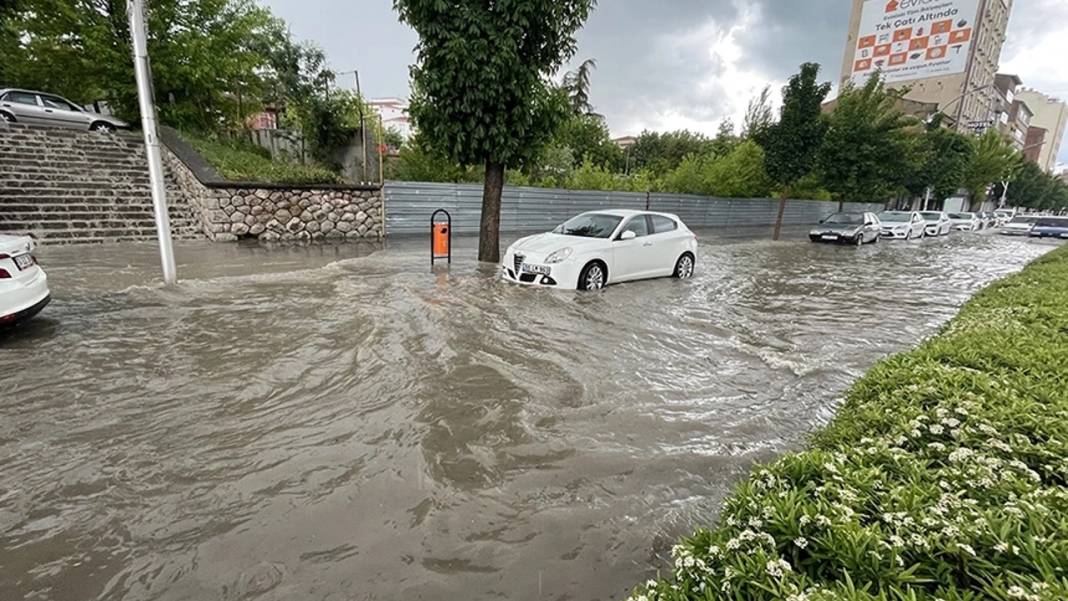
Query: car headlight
{"points": [[559, 256]]}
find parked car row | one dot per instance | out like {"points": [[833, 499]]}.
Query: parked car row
{"points": [[863, 228], [1037, 226]]}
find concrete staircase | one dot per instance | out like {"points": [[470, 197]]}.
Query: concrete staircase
{"points": [[66, 186]]}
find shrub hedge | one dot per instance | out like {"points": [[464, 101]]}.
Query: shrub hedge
{"points": [[943, 476]]}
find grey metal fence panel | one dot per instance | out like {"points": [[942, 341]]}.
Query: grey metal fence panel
{"points": [[410, 204]]}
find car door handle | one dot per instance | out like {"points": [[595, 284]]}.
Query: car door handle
{"points": [[49, 111], [647, 243]]}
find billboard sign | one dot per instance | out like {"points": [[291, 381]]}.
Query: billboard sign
{"points": [[913, 39]]}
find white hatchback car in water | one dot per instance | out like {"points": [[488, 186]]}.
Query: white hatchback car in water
{"points": [[23, 284], [600, 248]]}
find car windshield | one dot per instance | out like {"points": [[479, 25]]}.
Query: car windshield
{"points": [[960, 215], [1024, 220], [845, 219], [930, 215], [591, 225], [1053, 222], [896, 217]]}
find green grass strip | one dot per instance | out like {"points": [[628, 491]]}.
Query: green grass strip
{"points": [[943, 476], [245, 162]]}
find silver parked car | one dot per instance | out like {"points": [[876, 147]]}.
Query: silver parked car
{"points": [[938, 223], [40, 108], [848, 228], [965, 222], [903, 225]]}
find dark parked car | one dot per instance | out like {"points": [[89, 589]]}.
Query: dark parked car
{"points": [[1050, 227], [848, 228]]}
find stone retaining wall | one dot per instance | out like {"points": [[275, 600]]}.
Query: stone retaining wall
{"points": [[269, 212]]}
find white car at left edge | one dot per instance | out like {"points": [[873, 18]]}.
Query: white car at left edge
{"points": [[599, 248], [23, 284]]}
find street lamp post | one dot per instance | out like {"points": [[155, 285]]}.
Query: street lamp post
{"points": [[135, 9]]}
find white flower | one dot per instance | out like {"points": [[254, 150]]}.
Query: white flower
{"points": [[1001, 547], [936, 429], [801, 542], [714, 551], [777, 568], [804, 520], [966, 548]]}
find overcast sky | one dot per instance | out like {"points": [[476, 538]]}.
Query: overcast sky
{"points": [[674, 63]]}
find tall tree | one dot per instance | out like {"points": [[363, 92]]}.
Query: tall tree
{"points": [[758, 115], [577, 86], [994, 161], [869, 145], [481, 89], [946, 154], [792, 144]]}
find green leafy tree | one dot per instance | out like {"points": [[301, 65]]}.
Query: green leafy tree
{"points": [[945, 155], [726, 140], [994, 160], [791, 145], [1036, 189], [588, 138], [480, 87], [660, 153], [688, 177], [739, 174], [869, 145]]}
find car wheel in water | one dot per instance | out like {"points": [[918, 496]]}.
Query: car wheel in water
{"points": [[860, 240], [8, 117], [104, 128], [592, 277], [684, 267]]}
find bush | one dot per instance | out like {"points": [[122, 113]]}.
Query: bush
{"points": [[244, 162], [942, 477]]}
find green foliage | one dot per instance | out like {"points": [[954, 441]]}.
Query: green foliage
{"points": [[1034, 188], [244, 162], [994, 160], [417, 162], [587, 137], [203, 55], [791, 145], [945, 156], [330, 122], [868, 150], [944, 475], [738, 174], [480, 89], [660, 153]]}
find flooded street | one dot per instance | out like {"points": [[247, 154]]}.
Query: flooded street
{"points": [[337, 423]]}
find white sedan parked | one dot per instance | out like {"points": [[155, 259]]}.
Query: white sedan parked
{"points": [[23, 284], [600, 248], [904, 225], [965, 222], [938, 223]]}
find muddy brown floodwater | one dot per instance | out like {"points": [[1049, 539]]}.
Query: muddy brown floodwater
{"points": [[313, 424]]}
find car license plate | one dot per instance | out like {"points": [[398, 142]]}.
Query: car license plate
{"points": [[830, 237], [23, 261], [538, 269]]}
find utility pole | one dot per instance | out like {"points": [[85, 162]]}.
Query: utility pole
{"points": [[135, 9]]}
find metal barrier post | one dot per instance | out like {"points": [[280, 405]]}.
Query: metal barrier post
{"points": [[440, 237]]}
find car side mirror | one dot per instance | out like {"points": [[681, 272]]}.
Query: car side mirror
{"points": [[628, 235]]}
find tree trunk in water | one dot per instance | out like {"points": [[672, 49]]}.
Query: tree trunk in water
{"points": [[782, 211], [841, 205], [489, 233]]}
